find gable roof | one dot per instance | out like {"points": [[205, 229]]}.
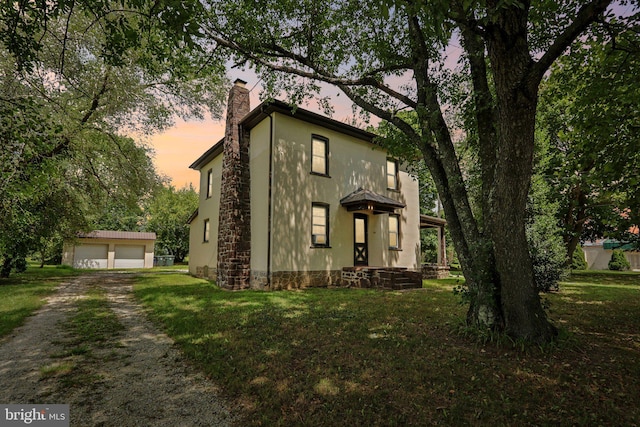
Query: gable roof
{"points": [[263, 111]]}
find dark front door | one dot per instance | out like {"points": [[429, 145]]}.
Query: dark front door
{"points": [[360, 247]]}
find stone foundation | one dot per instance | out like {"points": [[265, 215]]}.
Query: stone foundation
{"points": [[435, 271], [348, 277], [303, 279], [206, 272], [281, 280]]}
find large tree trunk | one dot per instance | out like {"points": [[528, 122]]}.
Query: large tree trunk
{"points": [[516, 97], [523, 314], [475, 252]]}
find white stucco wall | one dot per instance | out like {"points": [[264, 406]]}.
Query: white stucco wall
{"points": [[206, 253], [259, 165], [353, 163]]}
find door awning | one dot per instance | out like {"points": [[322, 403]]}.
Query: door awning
{"points": [[367, 200]]}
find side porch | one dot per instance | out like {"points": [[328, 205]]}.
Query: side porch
{"points": [[439, 269]]}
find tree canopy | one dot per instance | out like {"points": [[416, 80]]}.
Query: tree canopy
{"points": [[590, 117], [168, 211], [392, 56], [78, 80]]}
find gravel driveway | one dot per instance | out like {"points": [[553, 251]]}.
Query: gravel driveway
{"points": [[139, 380]]}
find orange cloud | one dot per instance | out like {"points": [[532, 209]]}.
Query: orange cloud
{"points": [[179, 146]]}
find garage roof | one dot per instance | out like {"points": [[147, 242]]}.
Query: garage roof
{"points": [[125, 235]]}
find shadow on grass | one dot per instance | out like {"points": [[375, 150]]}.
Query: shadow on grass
{"points": [[604, 277], [364, 357]]}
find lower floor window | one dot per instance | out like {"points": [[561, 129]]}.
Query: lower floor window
{"points": [[319, 224], [394, 231]]}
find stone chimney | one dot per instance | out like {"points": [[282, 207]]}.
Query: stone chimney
{"points": [[234, 226]]}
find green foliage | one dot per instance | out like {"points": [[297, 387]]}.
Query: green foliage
{"points": [[168, 211], [75, 78], [429, 246], [618, 261], [543, 233], [589, 112], [578, 262]]}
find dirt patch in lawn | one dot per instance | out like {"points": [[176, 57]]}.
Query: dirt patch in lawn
{"points": [[129, 374]]}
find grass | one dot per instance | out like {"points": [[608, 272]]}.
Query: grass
{"points": [[22, 294], [94, 323], [92, 326], [364, 357]]}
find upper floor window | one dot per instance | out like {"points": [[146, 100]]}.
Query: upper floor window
{"points": [[319, 155], [320, 224], [209, 183], [207, 230], [394, 231], [392, 174]]}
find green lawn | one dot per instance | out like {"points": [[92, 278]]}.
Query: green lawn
{"points": [[22, 294], [363, 357]]}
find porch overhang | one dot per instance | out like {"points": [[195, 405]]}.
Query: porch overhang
{"points": [[367, 200], [427, 221]]}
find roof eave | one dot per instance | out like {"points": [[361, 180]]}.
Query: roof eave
{"points": [[263, 110], [208, 155]]}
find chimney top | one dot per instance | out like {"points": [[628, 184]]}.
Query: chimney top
{"points": [[240, 82]]}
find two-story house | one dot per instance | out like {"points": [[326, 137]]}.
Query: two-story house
{"points": [[291, 199]]}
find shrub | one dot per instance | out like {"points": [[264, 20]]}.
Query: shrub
{"points": [[547, 252], [578, 261], [547, 268], [618, 261]]}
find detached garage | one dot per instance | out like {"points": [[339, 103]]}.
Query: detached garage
{"points": [[110, 249]]}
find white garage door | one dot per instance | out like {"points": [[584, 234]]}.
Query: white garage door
{"points": [[129, 256], [90, 256]]}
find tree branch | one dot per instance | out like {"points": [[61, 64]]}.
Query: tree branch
{"points": [[95, 102], [586, 16], [317, 73], [443, 163], [383, 114], [65, 38], [485, 114]]}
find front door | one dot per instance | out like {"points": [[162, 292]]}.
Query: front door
{"points": [[360, 247]]}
